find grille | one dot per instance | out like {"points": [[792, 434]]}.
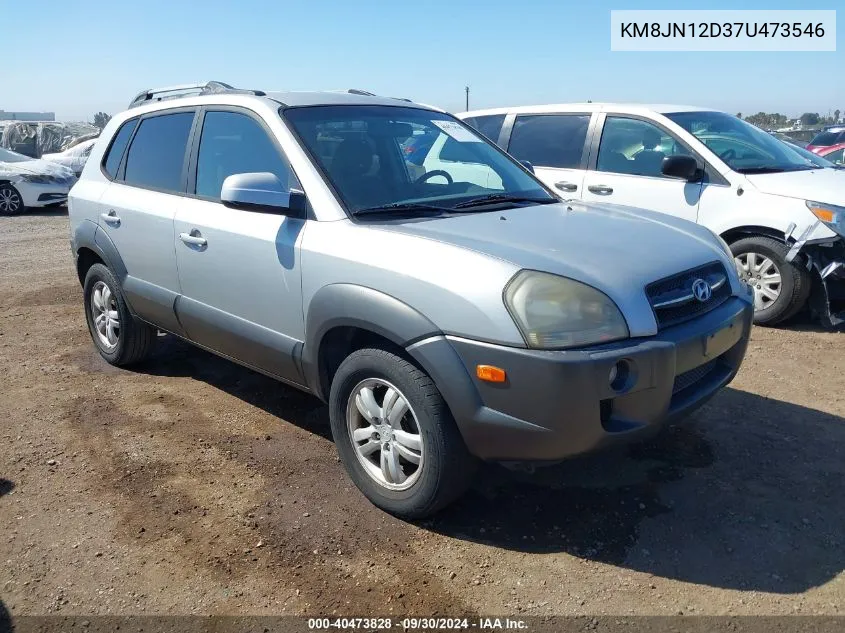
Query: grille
{"points": [[672, 299], [689, 378]]}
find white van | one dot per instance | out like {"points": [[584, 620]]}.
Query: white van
{"points": [[783, 217]]}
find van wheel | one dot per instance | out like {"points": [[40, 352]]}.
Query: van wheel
{"points": [[121, 338], [780, 288], [395, 435]]}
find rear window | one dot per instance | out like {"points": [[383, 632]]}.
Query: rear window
{"points": [[550, 140], [157, 153], [489, 125], [118, 145], [826, 138]]}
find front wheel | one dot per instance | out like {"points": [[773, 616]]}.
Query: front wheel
{"points": [[11, 202], [780, 288], [396, 436]]}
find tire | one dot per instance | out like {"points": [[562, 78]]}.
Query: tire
{"points": [[445, 469], [134, 339], [795, 284], [11, 202]]}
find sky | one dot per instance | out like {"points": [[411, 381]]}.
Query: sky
{"points": [[95, 55]]}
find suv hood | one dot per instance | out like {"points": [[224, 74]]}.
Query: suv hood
{"points": [[820, 185], [618, 250]]}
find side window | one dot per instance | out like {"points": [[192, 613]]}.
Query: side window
{"points": [[458, 152], [118, 145], [550, 140], [157, 152], [631, 146], [836, 157], [234, 143], [489, 125]]}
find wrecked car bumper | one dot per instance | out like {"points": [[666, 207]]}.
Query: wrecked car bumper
{"points": [[826, 260]]}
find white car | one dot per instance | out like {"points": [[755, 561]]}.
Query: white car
{"points": [[73, 157], [783, 216], [29, 182]]}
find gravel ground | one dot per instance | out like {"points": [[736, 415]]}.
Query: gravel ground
{"points": [[192, 485]]}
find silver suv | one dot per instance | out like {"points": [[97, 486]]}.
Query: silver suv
{"points": [[446, 316]]}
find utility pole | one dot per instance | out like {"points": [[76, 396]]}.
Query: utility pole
{"points": [[467, 91]]}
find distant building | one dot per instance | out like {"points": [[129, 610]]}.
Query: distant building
{"points": [[27, 116]]}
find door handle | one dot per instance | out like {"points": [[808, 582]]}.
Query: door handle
{"points": [[602, 190], [193, 238], [566, 186], [111, 218]]}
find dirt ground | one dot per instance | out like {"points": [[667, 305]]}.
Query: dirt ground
{"points": [[192, 485]]}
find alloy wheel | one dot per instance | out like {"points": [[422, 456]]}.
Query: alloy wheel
{"points": [[105, 315], [10, 201], [385, 434]]}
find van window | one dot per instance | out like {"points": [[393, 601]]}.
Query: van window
{"points": [[490, 125], [550, 140], [157, 152], [631, 146]]}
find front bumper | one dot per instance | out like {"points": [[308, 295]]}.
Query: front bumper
{"points": [[826, 260], [43, 194], [556, 404]]}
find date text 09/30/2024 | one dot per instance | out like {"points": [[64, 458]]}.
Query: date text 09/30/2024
{"points": [[420, 624]]}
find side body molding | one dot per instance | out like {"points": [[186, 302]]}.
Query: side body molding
{"points": [[350, 305]]}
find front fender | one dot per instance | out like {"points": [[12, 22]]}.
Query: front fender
{"points": [[351, 305]]}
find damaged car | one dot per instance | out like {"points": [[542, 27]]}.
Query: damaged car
{"points": [[28, 182], [782, 214]]}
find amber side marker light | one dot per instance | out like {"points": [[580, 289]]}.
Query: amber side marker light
{"points": [[490, 373]]}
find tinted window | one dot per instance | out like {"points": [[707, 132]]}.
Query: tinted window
{"points": [[836, 157], [489, 125], [158, 151], [234, 143], [630, 146], [825, 138], [550, 140], [457, 152], [115, 152]]}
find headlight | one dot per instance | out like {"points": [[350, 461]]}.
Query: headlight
{"points": [[556, 312], [832, 215], [36, 178]]}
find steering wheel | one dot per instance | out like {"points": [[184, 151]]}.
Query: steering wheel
{"points": [[432, 174], [727, 155]]}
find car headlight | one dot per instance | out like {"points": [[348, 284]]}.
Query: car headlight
{"points": [[36, 178], [833, 216], [554, 312]]}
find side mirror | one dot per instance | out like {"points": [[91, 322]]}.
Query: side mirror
{"points": [[527, 165], [262, 192], [681, 166]]}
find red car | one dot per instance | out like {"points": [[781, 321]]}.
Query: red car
{"points": [[834, 153], [827, 138]]}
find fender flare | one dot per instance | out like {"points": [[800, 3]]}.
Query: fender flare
{"points": [[88, 234], [351, 305]]}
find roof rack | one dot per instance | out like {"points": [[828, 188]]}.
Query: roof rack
{"points": [[186, 90], [365, 93]]}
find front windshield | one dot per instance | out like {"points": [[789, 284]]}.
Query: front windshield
{"points": [[396, 157], [8, 156], [744, 147]]}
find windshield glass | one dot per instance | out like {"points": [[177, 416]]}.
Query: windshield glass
{"points": [[401, 157], [823, 139], [8, 156], [742, 146]]}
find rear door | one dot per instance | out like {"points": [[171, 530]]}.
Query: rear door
{"points": [[239, 270], [626, 168], [556, 146], [139, 205]]}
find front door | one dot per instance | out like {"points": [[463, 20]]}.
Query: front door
{"points": [[628, 166], [239, 270]]}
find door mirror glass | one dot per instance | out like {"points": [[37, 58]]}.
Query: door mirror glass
{"points": [[680, 166], [262, 191]]}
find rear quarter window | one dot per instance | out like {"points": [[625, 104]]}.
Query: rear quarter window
{"points": [[118, 145]]}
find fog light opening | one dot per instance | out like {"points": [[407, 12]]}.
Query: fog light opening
{"points": [[618, 377]]}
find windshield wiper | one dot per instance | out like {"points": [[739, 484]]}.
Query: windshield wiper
{"points": [[762, 169], [498, 198], [401, 207]]}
